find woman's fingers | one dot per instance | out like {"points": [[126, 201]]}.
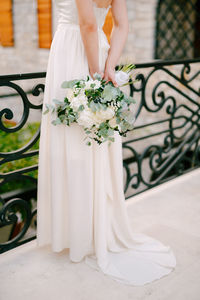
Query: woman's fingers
{"points": [[105, 77], [113, 80], [102, 74], [110, 76]]}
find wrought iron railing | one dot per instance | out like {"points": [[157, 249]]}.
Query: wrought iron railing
{"points": [[164, 144], [168, 144]]}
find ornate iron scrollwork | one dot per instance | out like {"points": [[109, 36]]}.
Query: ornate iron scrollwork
{"points": [[176, 149], [165, 142], [12, 209]]}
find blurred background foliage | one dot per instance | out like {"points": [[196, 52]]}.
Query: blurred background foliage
{"points": [[14, 141]]}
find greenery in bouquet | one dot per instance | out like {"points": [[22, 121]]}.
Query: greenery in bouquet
{"points": [[99, 107]]}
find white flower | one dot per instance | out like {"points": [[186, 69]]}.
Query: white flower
{"points": [[86, 118], [77, 101], [69, 94], [121, 77], [88, 84], [104, 115], [97, 84], [113, 122]]}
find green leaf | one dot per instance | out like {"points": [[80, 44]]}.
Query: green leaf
{"points": [[87, 131], [81, 107], [56, 121], [66, 122], [128, 117], [57, 101], [110, 131], [103, 106], [110, 93], [48, 108], [123, 126], [97, 76], [102, 125], [71, 118], [103, 132], [131, 100], [66, 100], [124, 105], [93, 106], [69, 84], [99, 106], [46, 111], [112, 139]]}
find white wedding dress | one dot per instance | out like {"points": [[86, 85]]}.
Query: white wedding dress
{"points": [[81, 203]]}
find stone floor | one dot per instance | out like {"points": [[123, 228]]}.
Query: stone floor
{"points": [[170, 213]]}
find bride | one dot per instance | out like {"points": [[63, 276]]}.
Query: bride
{"points": [[81, 203]]}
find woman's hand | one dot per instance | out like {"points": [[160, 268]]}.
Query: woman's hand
{"points": [[109, 75]]}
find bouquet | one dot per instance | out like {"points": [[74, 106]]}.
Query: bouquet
{"points": [[99, 107]]}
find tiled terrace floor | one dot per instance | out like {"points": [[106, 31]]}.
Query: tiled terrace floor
{"points": [[170, 213]]}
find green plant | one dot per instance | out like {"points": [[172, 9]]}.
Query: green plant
{"points": [[14, 141]]}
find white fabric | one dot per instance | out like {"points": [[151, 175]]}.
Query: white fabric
{"points": [[81, 203]]}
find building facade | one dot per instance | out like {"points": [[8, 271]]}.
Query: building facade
{"points": [[27, 29]]}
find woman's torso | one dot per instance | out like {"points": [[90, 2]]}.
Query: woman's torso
{"points": [[67, 11]]}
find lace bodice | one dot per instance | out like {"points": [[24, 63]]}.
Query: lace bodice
{"points": [[67, 12]]}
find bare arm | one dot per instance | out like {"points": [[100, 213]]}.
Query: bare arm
{"points": [[118, 38], [89, 33]]}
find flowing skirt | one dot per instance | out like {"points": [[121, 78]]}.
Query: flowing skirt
{"points": [[80, 200]]}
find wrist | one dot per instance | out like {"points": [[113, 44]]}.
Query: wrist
{"points": [[110, 66], [93, 71]]}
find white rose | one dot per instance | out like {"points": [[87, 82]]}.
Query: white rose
{"points": [[69, 94], [97, 84], [121, 77], [104, 115], [109, 113], [77, 101], [86, 118], [88, 84]]}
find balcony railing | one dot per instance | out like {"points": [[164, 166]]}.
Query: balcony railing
{"points": [[164, 144]]}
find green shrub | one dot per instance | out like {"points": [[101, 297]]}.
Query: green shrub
{"points": [[14, 141]]}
